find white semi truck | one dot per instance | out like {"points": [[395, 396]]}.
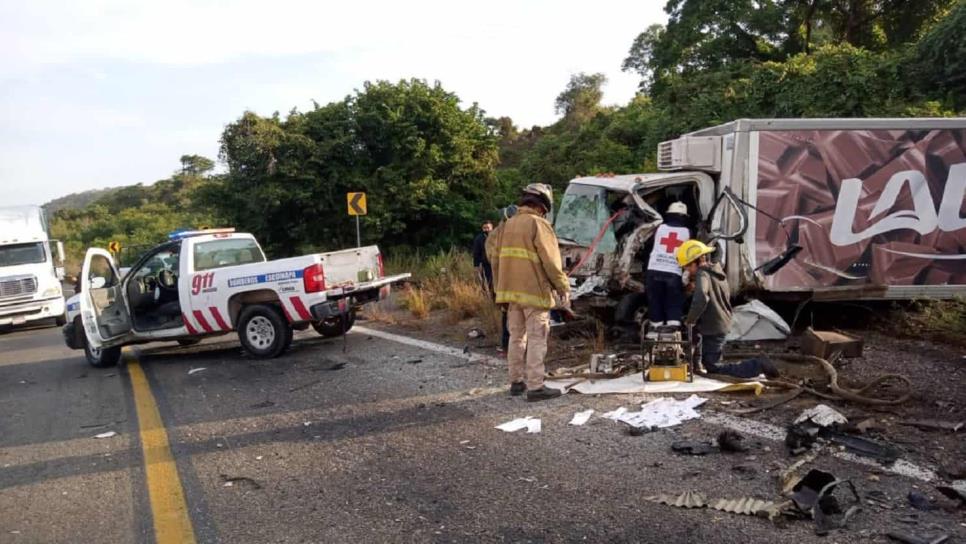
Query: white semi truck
{"points": [[31, 268]]}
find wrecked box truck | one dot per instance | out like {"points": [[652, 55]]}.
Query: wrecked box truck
{"points": [[799, 209]]}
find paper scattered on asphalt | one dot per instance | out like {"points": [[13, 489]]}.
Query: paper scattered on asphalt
{"points": [[663, 412], [108, 434], [531, 424], [194, 370], [615, 414], [581, 417], [822, 415]]}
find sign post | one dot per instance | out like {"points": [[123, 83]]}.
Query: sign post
{"points": [[357, 207]]}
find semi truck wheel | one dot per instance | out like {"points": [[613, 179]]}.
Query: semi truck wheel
{"points": [[334, 327], [102, 357], [263, 331]]}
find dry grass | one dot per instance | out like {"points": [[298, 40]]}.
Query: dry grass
{"points": [[417, 301], [380, 312], [464, 300]]}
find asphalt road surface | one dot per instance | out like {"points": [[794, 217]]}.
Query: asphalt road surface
{"points": [[384, 442]]}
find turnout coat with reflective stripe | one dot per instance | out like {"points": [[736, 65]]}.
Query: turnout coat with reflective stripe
{"points": [[526, 261]]}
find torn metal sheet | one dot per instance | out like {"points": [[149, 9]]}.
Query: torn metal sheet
{"points": [[748, 506], [688, 499], [756, 321]]}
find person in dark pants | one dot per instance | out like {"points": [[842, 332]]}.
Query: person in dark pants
{"points": [[665, 292], [480, 261], [711, 313], [491, 251]]}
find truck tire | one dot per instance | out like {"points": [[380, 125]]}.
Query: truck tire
{"points": [[263, 331], [61, 320], [102, 358], [333, 328]]}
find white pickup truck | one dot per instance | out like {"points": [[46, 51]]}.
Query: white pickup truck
{"points": [[212, 282]]}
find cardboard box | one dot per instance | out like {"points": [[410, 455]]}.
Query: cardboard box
{"points": [[824, 343]]}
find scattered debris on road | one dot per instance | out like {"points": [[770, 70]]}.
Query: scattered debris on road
{"points": [[531, 424], [825, 344], [108, 434], [932, 424], [920, 502], [912, 539], [196, 370], [822, 415], [732, 442], [693, 447], [230, 481], [663, 412], [756, 321], [581, 417]]}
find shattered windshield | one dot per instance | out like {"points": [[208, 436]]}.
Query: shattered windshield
{"points": [[582, 214]]}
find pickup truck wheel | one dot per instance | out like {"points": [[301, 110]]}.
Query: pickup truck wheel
{"points": [[331, 328], [102, 357], [263, 331]]}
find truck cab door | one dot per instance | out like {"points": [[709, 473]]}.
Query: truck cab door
{"points": [[103, 309]]}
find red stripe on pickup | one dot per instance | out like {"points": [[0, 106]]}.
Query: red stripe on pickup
{"points": [[218, 319], [187, 324], [202, 321], [301, 309]]}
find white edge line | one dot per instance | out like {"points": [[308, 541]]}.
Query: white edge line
{"points": [[430, 346], [748, 426]]}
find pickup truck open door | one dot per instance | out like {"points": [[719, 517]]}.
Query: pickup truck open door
{"points": [[103, 309]]}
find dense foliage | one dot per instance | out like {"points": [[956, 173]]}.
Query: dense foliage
{"points": [[433, 168]]}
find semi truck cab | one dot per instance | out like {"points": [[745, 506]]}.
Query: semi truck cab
{"points": [[31, 268]]}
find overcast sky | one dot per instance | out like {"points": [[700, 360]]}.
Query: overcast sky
{"points": [[102, 93]]}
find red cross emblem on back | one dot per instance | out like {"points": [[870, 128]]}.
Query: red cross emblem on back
{"points": [[671, 242]]}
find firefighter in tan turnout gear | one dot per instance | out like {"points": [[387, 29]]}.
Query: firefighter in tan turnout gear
{"points": [[527, 275]]}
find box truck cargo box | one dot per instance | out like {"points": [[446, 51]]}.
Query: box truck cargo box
{"points": [[798, 208]]}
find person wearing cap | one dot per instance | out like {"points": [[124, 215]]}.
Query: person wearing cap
{"points": [[711, 313], [528, 274], [665, 292]]}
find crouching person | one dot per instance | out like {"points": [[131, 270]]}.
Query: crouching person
{"points": [[527, 273], [711, 313]]}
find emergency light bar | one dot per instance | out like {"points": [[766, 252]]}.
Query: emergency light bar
{"points": [[182, 234]]}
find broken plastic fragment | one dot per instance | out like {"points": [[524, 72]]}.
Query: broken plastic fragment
{"points": [[581, 417], [108, 434]]}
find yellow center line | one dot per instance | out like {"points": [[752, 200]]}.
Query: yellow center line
{"points": [[172, 524]]}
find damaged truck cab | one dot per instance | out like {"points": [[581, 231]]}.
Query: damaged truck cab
{"points": [[798, 209]]}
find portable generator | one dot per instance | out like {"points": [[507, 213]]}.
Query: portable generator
{"points": [[669, 354]]}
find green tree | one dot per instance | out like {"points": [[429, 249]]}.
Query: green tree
{"points": [[581, 99], [426, 163]]}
